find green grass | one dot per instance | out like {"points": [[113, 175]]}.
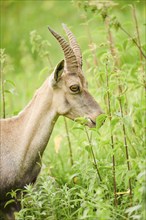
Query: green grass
{"points": [[75, 192]]}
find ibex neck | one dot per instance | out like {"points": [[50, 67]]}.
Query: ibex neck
{"points": [[39, 118]]}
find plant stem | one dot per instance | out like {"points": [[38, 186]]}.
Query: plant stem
{"points": [[125, 138], [69, 142], [110, 39], [137, 30], [134, 41], [112, 139], [95, 163], [115, 56], [113, 53], [139, 41]]}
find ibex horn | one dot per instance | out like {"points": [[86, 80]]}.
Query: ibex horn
{"points": [[74, 45], [70, 58]]}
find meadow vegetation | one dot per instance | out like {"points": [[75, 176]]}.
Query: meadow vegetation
{"points": [[96, 173]]}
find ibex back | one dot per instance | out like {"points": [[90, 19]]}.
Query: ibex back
{"points": [[25, 137]]}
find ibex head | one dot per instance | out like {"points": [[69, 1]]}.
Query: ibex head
{"points": [[70, 90]]}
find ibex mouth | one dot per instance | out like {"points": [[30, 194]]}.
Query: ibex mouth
{"points": [[85, 121], [91, 123]]}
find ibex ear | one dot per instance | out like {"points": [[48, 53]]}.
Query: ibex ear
{"points": [[58, 71]]}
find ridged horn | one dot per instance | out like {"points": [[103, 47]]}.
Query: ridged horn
{"points": [[74, 45], [71, 63]]}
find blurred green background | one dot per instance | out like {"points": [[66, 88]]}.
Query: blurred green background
{"points": [[30, 54]]}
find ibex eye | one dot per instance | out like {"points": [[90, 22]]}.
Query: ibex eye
{"points": [[75, 88]]}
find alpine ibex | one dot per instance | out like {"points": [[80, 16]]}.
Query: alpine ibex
{"points": [[24, 137]]}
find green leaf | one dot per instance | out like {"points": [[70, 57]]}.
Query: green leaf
{"points": [[133, 209], [10, 82], [114, 122], [9, 202], [8, 91], [81, 120], [121, 98], [88, 148], [125, 44], [100, 120]]}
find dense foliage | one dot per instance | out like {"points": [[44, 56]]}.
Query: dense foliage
{"points": [[104, 178]]}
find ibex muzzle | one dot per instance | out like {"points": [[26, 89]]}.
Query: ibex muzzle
{"points": [[25, 136]]}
